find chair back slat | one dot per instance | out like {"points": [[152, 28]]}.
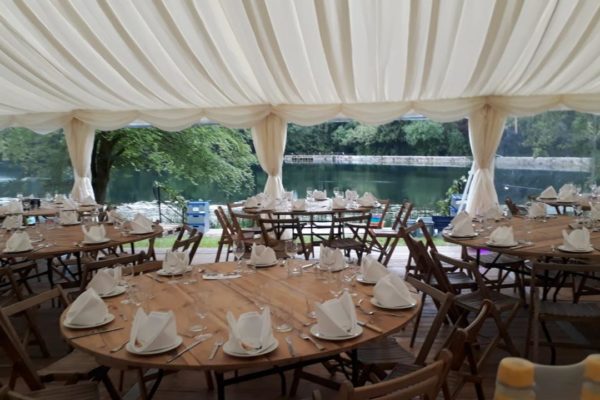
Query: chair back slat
{"points": [[403, 215], [191, 244], [90, 268], [34, 301]]}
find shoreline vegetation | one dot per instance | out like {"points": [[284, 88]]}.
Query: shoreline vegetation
{"points": [[575, 164]]}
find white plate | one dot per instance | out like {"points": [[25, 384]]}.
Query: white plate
{"points": [[116, 291], [17, 252], [175, 345], [263, 265], [491, 244], [463, 236], [163, 272], [566, 250], [334, 270], [227, 349], [71, 223], [357, 331], [359, 278], [105, 240], [140, 233], [404, 307], [109, 318]]}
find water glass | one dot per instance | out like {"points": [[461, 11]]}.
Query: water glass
{"points": [[293, 268], [310, 312], [239, 249], [199, 310], [309, 193], [283, 316]]}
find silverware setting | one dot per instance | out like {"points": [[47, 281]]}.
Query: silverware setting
{"points": [[96, 332], [201, 339], [288, 340], [218, 343], [318, 345], [119, 347]]}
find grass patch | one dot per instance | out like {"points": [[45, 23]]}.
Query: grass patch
{"points": [[167, 242]]}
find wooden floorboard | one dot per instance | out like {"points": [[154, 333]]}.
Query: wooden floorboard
{"points": [[192, 385]]}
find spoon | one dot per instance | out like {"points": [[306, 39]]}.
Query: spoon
{"points": [[318, 345], [119, 347], [362, 309]]}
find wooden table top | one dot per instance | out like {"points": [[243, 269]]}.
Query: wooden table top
{"points": [[68, 239], [49, 210], [315, 207], [538, 238], [237, 296]]}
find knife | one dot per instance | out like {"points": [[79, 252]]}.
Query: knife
{"points": [[307, 266], [288, 340], [95, 333], [370, 326], [203, 338]]}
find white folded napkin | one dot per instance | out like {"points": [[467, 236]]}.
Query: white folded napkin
{"points": [[351, 195], [176, 262], [13, 207], [114, 215], [262, 255], [536, 210], [12, 221], [299, 205], [336, 317], [260, 197], [251, 202], [463, 215], [68, 217], [18, 241], [549, 193], [141, 224], [87, 309], [494, 212], [154, 331], [88, 201], [105, 281], [502, 235], [59, 198], [567, 192], [578, 239], [595, 211], [320, 195], [289, 196], [372, 270], [251, 332], [463, 227], [69, 204], [391, 291], [95, 234], [332, 259], [338, 203], [268, 203], [367, 200]]}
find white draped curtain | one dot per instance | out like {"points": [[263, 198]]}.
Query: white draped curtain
{"points": [[80, 143], [485, 131], [269, 137]]}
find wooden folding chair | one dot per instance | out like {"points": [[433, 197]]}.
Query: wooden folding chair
{"points": [[472, 302], [384, 240], [425, 382], [81, 391], [190, 244], [227, 234], [73, 367], [277, 231], [544, 311], [350, 233]]}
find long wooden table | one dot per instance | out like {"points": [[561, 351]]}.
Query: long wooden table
{"points": [[538, 238], [238, 296]]}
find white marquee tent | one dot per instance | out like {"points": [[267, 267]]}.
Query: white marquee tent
{"points": [[83, 65]]}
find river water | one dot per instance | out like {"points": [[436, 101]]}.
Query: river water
{"points": [[421, 185]]}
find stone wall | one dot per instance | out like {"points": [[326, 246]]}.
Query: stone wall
{"points": [[539, 163]]}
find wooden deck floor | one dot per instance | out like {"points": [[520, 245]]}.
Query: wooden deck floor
{"points": [[190, 385]]}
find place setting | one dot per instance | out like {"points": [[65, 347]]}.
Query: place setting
{"points": [[175, 263], [461, 227], [18, 242], [140, 225], [391, 293], [336, 319], [576, 241], [95, 234], [88, 311], [107, 282], [68, 217], [371, 271], [250, 335], [331, 260], [262, 256]]}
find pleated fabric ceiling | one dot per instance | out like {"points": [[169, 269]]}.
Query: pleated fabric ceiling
{"points": [[174, 62]]}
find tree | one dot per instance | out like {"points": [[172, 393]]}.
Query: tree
{"points": [[202, 155], [427, 137]]}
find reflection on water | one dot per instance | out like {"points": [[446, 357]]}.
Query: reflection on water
{"points": [[421, 185]]}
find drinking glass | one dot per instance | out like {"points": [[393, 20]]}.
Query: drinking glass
{"points": [[309, 193], [348, 276], [337, 192], [192, 275], [291, 251], [239, 249], [198, 309], [283, 316], [171, 272], [334, 284], [310, 313]]}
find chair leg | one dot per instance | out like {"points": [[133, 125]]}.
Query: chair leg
{"points": [[549, 339], [219, 249], [417, 321], [209, 381]]}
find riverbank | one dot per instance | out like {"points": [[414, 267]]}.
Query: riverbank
{"points": [[572, 164]]}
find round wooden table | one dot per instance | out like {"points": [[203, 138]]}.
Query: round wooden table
{"points": [[238, 296], [50, 210], [538, 238]]}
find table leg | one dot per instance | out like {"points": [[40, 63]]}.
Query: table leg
{"points": [[354, 358], [49, 272], [220, 385]]}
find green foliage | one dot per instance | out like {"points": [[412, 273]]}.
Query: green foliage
{"points": [[442, 207]]}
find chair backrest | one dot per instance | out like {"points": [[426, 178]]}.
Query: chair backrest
{"points": [[425, 382], [512, 206], [378, 219], [444, 302], [438, 270], [354, 226], [228, 234], [237, 219], [403, 215], [191, 244], [425, 266], [9, 338], [90, 268], [185, 231], [540, 269], [277, 230]]}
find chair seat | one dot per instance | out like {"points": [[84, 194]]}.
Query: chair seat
{"points": [[401, 370], [472, 301], [76, 362], [458, 280], [502, 260], [571, 311], [345, 244], [383, 351], [384, 232], [84, 391]]}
